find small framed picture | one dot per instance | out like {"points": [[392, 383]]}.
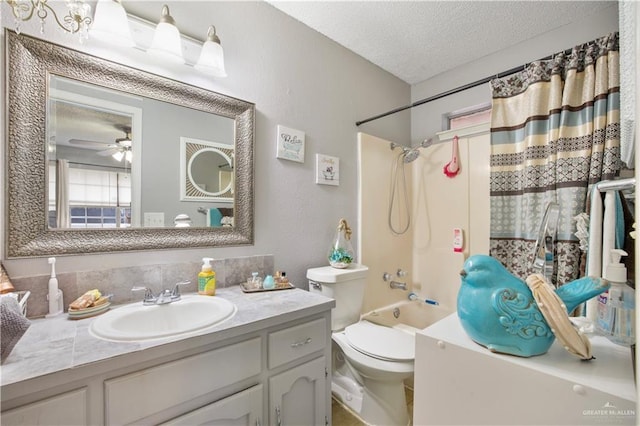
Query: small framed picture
{"points": [[290, 144], [327, 170]]}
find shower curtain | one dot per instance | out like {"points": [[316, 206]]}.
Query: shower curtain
{"points": [[554, 132]]}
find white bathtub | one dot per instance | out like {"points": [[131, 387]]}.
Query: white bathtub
{"points": [[409, 316]]}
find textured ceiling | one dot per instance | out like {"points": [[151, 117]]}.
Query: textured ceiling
{"points": [[416, 40]]}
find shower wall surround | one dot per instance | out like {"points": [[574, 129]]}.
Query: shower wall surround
{"points": [[119, 281]]}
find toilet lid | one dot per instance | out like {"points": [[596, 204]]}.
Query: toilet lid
{"points": [[381, 342]]}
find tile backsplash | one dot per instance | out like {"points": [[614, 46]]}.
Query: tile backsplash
{"points": [[119, 281]]}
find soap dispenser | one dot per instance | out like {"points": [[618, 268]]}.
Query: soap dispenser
{"points": [[616, 308], [207, 278]]}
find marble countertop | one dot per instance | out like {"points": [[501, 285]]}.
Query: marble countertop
{"points": [[54, 345]]}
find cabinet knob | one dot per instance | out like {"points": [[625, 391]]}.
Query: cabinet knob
{"points": [[441, 344], [579, 389]]}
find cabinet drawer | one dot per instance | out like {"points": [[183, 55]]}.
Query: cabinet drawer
{"points": [[65, 409], [295, 342], [138, 395]]}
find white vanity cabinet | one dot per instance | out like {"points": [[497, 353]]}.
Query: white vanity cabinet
{"points": [[255, 372]]}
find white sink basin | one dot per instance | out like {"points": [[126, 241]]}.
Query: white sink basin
{"points": [[138, 322]]}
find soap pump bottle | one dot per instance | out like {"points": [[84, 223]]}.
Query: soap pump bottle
{"points": [[55, 294], [207, 278], [616, 311]]}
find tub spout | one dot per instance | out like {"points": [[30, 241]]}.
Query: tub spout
{"points": [[397, 284]]}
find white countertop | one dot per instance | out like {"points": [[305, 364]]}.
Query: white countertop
{"points": [[610, 372], [55, 345]]}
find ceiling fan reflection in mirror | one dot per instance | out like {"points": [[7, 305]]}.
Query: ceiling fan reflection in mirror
{"points": [[120, 149]]}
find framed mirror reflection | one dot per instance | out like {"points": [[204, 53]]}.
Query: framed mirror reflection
{"points": [[94, 157]]}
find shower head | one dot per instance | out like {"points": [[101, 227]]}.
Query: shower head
{"points": [[426, 143], [411, 155]]}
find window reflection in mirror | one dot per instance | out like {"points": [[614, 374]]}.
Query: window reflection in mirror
{"points": [[114, 159]]}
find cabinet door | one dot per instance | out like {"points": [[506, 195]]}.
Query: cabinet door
{"points": [[297, 396], [243, 408], [65, 409]]}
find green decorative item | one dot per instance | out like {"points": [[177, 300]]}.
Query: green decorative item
{"points": [[341, 253]]}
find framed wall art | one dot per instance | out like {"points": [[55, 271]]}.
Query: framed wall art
{"points": [[327, 170], [290, 144]]}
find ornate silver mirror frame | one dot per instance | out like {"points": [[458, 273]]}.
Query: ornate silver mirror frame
{"points": [[30, 63]]}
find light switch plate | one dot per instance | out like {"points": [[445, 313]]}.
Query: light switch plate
{"points": [[153, 220]]}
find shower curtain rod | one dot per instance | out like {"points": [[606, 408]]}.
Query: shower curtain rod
{"points": [[454, 91]]}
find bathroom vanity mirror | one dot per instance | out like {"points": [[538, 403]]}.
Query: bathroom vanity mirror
{"points": [[47, 81]]}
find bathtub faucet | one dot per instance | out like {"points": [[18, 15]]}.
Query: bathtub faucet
{"points": [[397, 284]]}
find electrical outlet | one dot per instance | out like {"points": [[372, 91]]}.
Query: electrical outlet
{"points": [[153, 220]]}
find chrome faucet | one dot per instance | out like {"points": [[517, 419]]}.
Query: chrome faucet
{"points": [[166, 296], [397, 284]]}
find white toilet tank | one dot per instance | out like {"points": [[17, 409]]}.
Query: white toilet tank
{"points": [[345, 286]]}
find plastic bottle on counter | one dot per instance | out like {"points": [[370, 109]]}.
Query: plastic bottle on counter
{"points": [[207, 278], [616, 308]]}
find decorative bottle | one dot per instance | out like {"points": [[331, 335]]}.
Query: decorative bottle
{"points": [[341, 253]]}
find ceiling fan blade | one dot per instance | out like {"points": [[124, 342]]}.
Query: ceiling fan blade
{"points": [[108, 152], [88, 143]]}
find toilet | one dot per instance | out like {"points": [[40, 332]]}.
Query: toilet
{"points": [[370, 362]]}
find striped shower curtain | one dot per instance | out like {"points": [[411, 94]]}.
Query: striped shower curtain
{"points": [[555, 130]]}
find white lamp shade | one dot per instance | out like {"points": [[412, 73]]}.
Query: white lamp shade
{"points": [[110, 24], [211, 59], [166, 42]]}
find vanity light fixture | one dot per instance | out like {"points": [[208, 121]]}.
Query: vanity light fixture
{"points": [[166, 39], [211, 58], [77, 20], [110, 23]]}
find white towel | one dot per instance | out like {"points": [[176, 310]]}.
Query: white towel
{"points": [[608, 228], [594, 254]]}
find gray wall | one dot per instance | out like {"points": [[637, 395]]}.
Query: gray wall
{"points": [[161, 156]]}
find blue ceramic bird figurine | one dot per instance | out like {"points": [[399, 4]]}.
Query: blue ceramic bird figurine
{"points": [[497, 310]]}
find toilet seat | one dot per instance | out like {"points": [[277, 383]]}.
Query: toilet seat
{"points": [[380, 342]]}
